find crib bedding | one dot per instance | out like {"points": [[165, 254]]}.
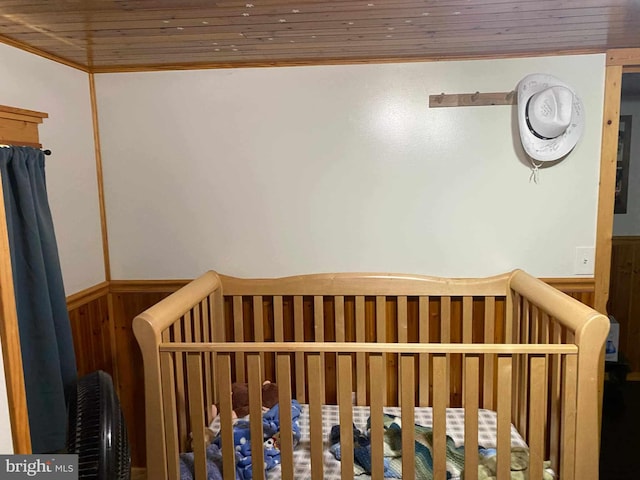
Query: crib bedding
{"points": [[487, 428]]}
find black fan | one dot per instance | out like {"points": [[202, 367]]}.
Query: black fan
{"points": [[96, 430]]}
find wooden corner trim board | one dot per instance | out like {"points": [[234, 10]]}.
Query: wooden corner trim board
{"points": [[621, 57]]}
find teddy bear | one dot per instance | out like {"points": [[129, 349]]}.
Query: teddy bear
{"points": [[240, 406], [240, 399]]}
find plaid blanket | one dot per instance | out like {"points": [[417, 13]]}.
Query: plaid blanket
{"points": [[393, 450], [423, 457]]}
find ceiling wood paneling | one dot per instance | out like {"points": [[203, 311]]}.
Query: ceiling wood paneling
{"points": [[112, 35]]}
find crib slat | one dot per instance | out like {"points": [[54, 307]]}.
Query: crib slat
{"points": [[315, 415], [535, 325], [381, 334], [223, 361], [180, 396], [254, 369], [376, 371], [537, 414], [523, 370], [440, 401], [403, 327], [568, 427], [188, 332], [467, 319], [196, 413], [407, 376], [339, 318], [489, 359], [423, 358], [197, 324], [318, 316], [515, 374], [544, 328], [238, 336], [467, 334], [555, 401], [346, 416], [278, 319], [361, 360], [445, 320], [218, 329], [258, 326], [504, 416], [170, 414], [471, 399], [208, 365], [298, 333], [445, 337], [284, 400]]}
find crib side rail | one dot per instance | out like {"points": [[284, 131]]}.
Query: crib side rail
{"points": [[365, 284], [541, 313], [197, 303], [474, 355]]}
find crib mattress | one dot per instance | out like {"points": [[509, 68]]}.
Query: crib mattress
{"points": [[487, 434]]}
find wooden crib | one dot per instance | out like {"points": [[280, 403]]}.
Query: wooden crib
{"points": [[510, 344]]}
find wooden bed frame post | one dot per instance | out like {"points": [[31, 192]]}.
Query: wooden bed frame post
{"points": [[591, 350], [148, 340], [148, 328]]}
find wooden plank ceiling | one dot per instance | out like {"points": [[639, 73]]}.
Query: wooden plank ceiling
{"points": [[113, 35]]}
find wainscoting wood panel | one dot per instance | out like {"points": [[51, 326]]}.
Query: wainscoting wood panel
{"points": [[92, 339], [129, 364], [624, 298], [92, 336]]}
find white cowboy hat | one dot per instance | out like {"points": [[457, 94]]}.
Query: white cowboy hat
{"points": [[550, 117]]}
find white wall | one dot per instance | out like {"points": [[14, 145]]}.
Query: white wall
{"points": [[31, 82], [629, 223], [278, 171]]}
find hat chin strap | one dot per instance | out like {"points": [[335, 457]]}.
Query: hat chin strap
{"points": [[535, 171]]}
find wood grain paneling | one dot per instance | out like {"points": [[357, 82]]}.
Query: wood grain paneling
{"points": [[624, 300], [92, 336], [113, 35], [129, 366]]}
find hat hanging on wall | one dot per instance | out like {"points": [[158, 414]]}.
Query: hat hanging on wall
{"points": [[550, 117]]}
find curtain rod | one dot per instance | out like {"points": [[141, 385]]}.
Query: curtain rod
{"points": [[46, 152]]}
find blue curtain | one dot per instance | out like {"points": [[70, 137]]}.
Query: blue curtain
{"points": [[43, 321]]}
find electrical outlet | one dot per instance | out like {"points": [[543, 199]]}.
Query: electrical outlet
{"points": [[585, 258]]}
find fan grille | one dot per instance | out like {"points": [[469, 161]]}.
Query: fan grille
{"points": [[97, 431]]}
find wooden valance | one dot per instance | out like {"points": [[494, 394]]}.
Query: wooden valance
{"points": [[19, 126]]}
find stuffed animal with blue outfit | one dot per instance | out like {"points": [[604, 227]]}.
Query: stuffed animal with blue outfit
{"points": [[270, 427]]}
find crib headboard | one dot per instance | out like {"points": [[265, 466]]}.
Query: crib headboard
{"points": [[469, 324]]}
